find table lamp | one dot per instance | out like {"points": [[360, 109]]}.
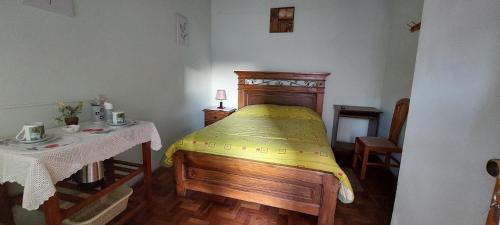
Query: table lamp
{"points": [[221, 96]]}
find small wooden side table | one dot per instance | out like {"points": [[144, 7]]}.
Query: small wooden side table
{"points": [[214, 114], [357, 112]]}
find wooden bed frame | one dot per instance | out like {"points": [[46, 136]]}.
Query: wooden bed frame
{"points": [[292, 188]]}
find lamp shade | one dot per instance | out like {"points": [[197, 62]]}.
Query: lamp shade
{"points": [[221, 95]]}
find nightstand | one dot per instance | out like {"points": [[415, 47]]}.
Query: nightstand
{"points": [[213, 114]]}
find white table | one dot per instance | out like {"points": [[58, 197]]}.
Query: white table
{"points": [[39, 167]]}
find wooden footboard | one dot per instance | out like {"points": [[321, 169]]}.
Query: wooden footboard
{"points": [[302, 190]]}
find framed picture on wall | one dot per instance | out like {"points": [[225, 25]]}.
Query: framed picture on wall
{"points": [[182, 30], [282, 20]]}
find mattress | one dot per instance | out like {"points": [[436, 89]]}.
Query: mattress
{"points": [[287, 135]]}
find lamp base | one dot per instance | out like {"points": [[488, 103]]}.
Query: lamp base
{"points": [[221, 106]]}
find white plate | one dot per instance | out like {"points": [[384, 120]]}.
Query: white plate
{"points": [[48, 137]]}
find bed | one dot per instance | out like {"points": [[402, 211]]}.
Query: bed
{"points": [[273, 151]]}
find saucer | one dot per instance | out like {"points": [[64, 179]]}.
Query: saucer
{"points": [[127, 123], [48, 137]]}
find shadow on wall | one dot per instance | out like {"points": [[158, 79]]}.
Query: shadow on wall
{"points": [[175, 109], [175, 114], [225, 78]]}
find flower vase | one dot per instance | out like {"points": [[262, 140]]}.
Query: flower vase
{"points": [[71, 120]]}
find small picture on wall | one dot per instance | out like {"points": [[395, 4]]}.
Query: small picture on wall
{"points": [[282, 20], [182, 30]]}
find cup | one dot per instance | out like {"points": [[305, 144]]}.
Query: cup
{"points": [[31, 132], [118, 117]]}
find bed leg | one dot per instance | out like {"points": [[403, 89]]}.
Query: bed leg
{"points": [[180, 174], [328, 200], [181, 192]]}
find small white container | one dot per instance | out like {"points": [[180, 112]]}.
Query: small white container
{"points": [[71, 128]]}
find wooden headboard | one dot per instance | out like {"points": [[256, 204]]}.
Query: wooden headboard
{"points": [[281, 88]]}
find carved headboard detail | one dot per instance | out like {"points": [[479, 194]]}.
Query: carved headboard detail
{"points": [[281, 88]]}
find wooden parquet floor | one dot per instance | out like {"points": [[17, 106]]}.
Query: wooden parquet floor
{"points": [[373, 205]]}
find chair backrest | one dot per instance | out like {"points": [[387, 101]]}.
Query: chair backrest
{"points": [[398, 119]]}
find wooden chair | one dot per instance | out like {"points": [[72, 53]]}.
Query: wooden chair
{"points": [[366, 145]]}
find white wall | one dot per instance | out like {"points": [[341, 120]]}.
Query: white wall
{"points": [[403, 44], [123, 49], [400, 67], [454, 124], [347, 38]]}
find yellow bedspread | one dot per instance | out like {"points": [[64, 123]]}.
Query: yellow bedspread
{"points": [[287, 135]]}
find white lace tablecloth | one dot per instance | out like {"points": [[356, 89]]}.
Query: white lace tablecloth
{"points": [[38, 167]]}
